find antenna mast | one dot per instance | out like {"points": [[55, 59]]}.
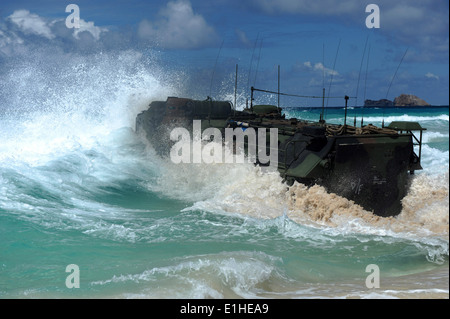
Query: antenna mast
{"points": [[390, 84], [365, 85], [360, 69], [214, 70], [334, 67], [321, 120], [235, 89], [392, 80], [278, 88], [251, 61]]}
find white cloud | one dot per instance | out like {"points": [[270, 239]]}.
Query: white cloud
{"points": [[319, 67], [31, 23], [9, 43], [432, 76], [89, 27], [242, 37], [178, 27], [9, 39]]}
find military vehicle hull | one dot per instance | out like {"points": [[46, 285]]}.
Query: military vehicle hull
{"points": [[368, 165]]}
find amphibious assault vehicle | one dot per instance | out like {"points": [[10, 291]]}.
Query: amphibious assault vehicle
{"points": [[368, 165]]}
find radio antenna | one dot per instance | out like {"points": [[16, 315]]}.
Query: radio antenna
{"points": [[214, 70], [235, 89], [365, 85], [392, 80], [321, 120], [259, 58], [251, 61], [360, 69], [332, 73]]}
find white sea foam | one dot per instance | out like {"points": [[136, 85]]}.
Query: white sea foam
{"points": [[67, 136], [223, 275], [246, 191], [407, 117], [433, 137], [87, 98]]}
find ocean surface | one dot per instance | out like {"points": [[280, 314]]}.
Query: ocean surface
{"points": [[79, 188]]}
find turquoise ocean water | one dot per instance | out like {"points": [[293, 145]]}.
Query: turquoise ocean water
{"points": [[79, 187]]}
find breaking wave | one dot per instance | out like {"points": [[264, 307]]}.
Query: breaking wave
{"points": [[71, 166]]}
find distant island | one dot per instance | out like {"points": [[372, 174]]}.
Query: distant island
{"points": [[402, 100]]}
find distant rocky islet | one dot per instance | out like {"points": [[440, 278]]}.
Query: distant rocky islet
{"points": [[402, 100]]}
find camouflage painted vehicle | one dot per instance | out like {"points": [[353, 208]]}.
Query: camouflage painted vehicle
{"points": [[368, 165]]}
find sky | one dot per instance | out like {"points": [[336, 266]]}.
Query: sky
{"points": [[316, 44]]}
